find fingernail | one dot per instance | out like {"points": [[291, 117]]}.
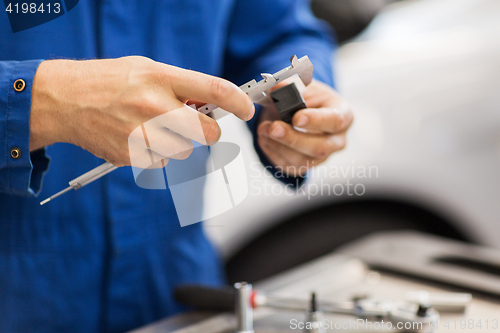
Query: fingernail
{"points": [[303, 120], [278, 132], [252, 112]]}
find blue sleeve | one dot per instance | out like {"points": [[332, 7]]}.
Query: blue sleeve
{"points": [[21, 172], [264, 34]]}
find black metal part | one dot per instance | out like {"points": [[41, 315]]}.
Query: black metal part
{"points": [[314, 303], [422, 310], [288, 101], [205, 297]]}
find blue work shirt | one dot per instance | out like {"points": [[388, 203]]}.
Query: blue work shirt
{"points": [[107, 257]]}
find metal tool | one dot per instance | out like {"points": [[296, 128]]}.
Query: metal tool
{"points": [[257, 91], [314, 317], [414, 311], [84, 179], [243, 308], [386, 310], [441, 302]]}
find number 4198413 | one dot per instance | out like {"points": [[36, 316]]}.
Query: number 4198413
{"points": [[33, 8], [471, 324]]}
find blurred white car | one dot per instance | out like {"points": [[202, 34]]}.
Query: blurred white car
{"points": [[424, 84]]}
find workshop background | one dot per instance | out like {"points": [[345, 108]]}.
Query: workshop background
{"points": [[423, 79]]}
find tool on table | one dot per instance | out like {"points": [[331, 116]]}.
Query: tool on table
{"points": [[441, 302], [243, 308], [314, 317], [258, 93], [221, 299]]}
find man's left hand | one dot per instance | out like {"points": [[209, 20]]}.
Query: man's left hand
{"points": [[317, 131]]}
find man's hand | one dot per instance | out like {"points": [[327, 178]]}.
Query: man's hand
{"points": [[322, 125], [97, 104]]}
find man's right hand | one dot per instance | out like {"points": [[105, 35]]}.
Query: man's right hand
{"points": [[96, 104]]}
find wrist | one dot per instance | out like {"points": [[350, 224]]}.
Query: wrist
{"points": [[45, 111]]}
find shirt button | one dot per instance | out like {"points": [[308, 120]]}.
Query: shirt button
{"points": [[15, 153], [19, 85]]}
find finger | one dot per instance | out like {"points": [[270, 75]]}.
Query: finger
{"points": [[295, 160], [166, 143], [327, 120], [170, 135], [141, 156], [274, 156], [187, 122], [313, 145], [188, 85], [318, 94]]}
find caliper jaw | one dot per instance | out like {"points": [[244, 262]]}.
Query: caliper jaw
{"points": [[258, 91]]}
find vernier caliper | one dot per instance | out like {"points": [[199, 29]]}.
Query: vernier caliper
{"points": [[257, 91]]}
